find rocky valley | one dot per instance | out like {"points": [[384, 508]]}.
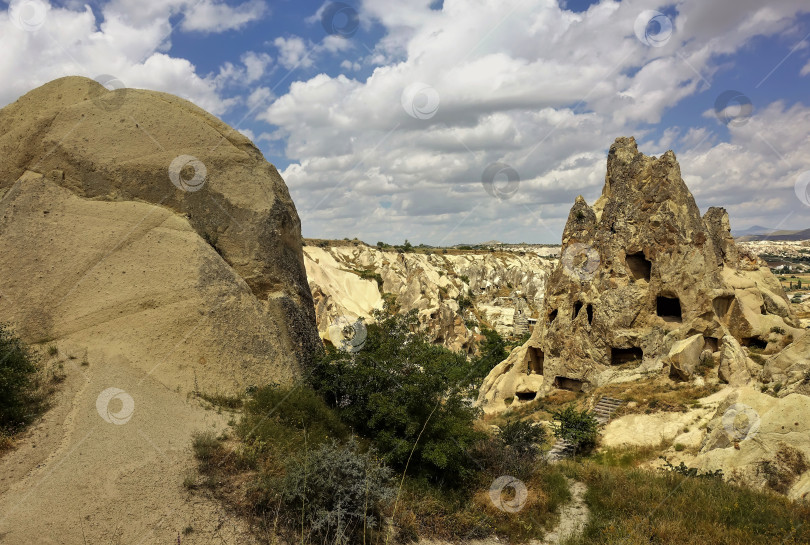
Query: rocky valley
{"points": [[200, 373]]}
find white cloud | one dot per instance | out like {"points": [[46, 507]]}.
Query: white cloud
{"points": [[130, 42], [294, 52], [196, 15], [805, 69], [207, 16], [527, 83], [753, 175]]}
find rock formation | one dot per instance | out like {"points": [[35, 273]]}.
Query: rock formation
{"points": [[644, 282], [143, 228], [495, 284]]}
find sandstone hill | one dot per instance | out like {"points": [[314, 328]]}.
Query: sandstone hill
{"points": [[157, 253], [504, 288], [645, 286]]}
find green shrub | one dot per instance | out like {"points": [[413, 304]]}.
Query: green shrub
{"points": [[338, 491], [400, 388], [367, 274], [580, 429], [19, 399], [464, 303], [207, 448], [513, 451], [523, 436], [278, 418]]}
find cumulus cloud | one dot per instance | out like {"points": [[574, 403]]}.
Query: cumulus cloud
{"points": [[127, 40], [208, 16], [294, 52], [529, 84]]}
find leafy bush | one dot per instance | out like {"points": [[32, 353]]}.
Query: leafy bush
{"points": [[513, 451], [19, 400], [523, 436], [339, 491], [278, 418], [580, 429], [464, 303], [206, 446], [404, 393], [367, 274]]}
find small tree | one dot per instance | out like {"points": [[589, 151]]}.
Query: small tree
{"points": [[580, 429]]}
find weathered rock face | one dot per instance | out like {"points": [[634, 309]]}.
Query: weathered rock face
{"points": [[498, 286], [100, 220], [639, 272]]}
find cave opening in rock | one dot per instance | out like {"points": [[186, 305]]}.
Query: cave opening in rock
{"points": [[618, 356], [526, 396], [722, 305], [534, 361], [669, 308], [754, 342], [571, 384], [639, 266], [552, 315], [589, 310], [577, 308], [711, 343]]}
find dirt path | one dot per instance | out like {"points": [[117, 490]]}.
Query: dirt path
{"points": [[95, 472], [573, 516]]}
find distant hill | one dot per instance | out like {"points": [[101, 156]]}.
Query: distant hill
{"points": [[753, 230], [778, 235]]}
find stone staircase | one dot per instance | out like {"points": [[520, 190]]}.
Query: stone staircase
{"points": [[603, 412]]}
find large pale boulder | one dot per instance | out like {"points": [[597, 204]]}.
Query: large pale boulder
{"points": [[684, 356], [734, 365], [791, 367], [107, 237]]}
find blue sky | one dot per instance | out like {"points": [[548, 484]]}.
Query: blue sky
{"points": [[537, 86]]}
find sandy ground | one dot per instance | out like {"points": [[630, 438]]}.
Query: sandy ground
{"points": [[77, 478]]}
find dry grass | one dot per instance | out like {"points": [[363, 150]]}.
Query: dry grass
{"points": [[539, 409], [634, 506], [459, 516], [659, 394]]}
